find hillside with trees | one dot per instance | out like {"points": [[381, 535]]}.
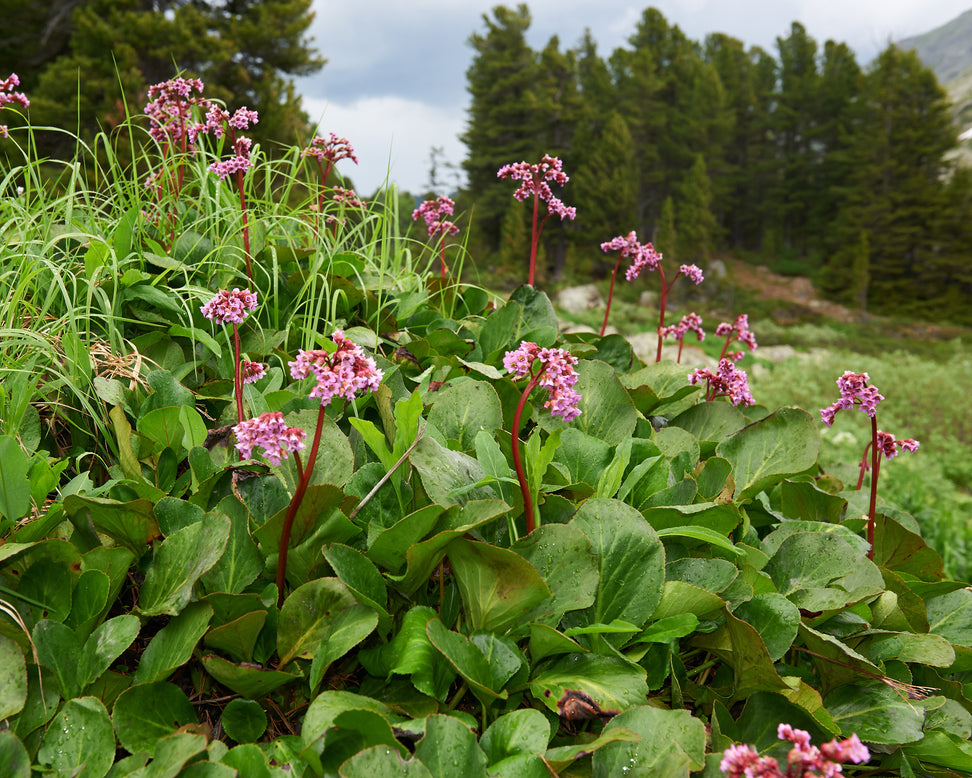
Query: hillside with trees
{"points": [[838, 171]]}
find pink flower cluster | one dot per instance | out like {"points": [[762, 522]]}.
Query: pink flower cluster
{"points": [[535, 178], [346, 197], [251, 372], [433, 211], [238, 163], [232, 307], [642, 255], [854, 388], [728, 381], [888, 446], [738, 330], [556, 375], [691, 322], [331, 148], [692, 272], [269, 432], [8, 97], [217, 119], [342, 374], [803, 761], [169, 111]]}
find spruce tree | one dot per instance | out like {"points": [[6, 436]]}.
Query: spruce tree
{"points": [[693, 214], [503, 126]]}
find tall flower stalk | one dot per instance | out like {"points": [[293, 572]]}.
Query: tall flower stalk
{"points": [[738, 330], [644, 256], [691, 322], [220, 122], [327, 152], [233, 308], [344, 373], [535, 184], [728, 381], [553, 369], [856, 389], [432, 212]]}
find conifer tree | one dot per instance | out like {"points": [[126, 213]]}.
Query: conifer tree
{"points": [[666, 237], [693, 214], [503, 125]]}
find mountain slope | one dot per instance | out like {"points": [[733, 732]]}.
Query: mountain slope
{"points": [[947, 49]]}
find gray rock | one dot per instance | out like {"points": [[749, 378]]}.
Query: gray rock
{"points": [[578, 299]]}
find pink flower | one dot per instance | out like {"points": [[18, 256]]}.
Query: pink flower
{"points": [[331, 148], [347, 197], [556, 375], [232, 307], [803, 761], [738, 330], [269, 432], [691, 322], [433, 211], [535, 178], [642, 255], [239, 163], [728, 381], [888, 446], [692, 272], [854, 388], [9, 97], [342, 374], [169, 111], [251, 372]]}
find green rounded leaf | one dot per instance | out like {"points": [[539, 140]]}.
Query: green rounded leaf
{"points": [[144, 714], [172, 646], [775, 618], [672, 742], [14, 760], [382, 761], [876, 713], [244, 720], [13, 678], [614, 684], [461, 411], [449, 749], [80, 734], [14, 484]]}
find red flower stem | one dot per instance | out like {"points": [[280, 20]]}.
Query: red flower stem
{"points": [[725, 348], [875, 465], [246, 227], [661, 311], [681, 342], [860, 478], [517, 462], [237, 376], [614, 275], [442, 248], [295, 502], [534, 239]]}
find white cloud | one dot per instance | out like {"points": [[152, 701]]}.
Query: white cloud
{"points": [[391, 137]]}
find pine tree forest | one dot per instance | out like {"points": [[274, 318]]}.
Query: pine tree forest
{"points": [[839, 169]]}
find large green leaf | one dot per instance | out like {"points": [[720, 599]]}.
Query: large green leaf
{"points": [[467, 659], [950, 615], [13, 678], [585, 457], [672, 743], [820, 571], [14, 485], [310, 616], [410, 652], [14, 759], [79, 735], [389, 547], [876, 713], [179, 562], [775, 618], [562, 554], [327, 706], [899, 549], [172, 646], [943, 748], [108, 642], [498, 586], [244, 720], [612, 683], [607, 412], [241, 563], [145, 713], [763, 454], [131, 524], [380, 761], [449, 476], [244, 678], [449, 749], [463, 410], [520, 732], [631, 562]]}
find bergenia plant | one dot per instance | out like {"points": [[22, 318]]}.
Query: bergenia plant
{"points": [[172, 126], [803, 761], [644, 256], [728, 381], [345, 373], [328, 152], [535, 183], [220, 122], [233, 308], [856, 389], [9, 97], [691, 322], [433, 213], [553, 369], [737, 331]]}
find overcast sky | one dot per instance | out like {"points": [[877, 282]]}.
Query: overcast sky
{"points": [[395, 82]]}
